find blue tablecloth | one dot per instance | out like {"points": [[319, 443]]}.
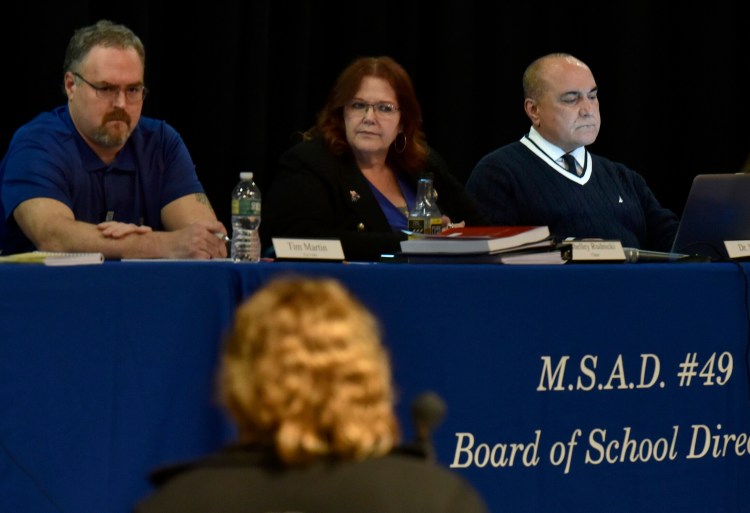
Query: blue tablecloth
{"points": [[571, 388]]}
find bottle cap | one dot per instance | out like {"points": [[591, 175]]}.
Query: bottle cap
{"points": [[246, 175]]}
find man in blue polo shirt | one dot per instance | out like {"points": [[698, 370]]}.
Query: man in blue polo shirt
{"points": [[95, 176]]}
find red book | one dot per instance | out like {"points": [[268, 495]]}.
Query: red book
{"points": [[478, 239]]}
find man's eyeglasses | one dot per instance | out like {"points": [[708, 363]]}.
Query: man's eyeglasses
{"points": [[133, 93], [384, 109]]}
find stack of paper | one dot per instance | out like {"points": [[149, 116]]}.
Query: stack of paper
{"points": [[53, 258], [479, 240]]}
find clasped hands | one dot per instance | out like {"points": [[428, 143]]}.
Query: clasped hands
{"points": [[200, 240]]}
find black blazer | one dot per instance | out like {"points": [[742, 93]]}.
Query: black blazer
{"points": [[247, 479], [316, 194]]}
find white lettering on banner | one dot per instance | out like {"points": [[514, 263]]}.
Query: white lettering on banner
{"points": [[718, 445], [601, 448], [615, 373], [724, 364], [629, 449], [562, 452], [499, 455], [552, 376], [549, 377]]}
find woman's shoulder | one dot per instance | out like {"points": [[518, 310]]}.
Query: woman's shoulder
{"points": [[403, 473], [234, 455], [434, 159], [309, 151]]}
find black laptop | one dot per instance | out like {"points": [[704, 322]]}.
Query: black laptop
{"points": [[717, 210]]}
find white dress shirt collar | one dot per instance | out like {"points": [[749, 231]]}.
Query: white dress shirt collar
{"points": [[552, 155]]}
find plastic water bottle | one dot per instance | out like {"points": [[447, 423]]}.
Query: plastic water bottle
{"points": [[245, 246], [425, 217]]}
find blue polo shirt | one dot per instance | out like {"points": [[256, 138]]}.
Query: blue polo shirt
{"points": [[48, 158]]}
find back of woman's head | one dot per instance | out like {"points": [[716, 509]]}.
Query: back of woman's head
{"points": [[304, 369]]}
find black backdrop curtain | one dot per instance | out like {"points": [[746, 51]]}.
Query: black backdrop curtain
{"points": [[239, 79]]}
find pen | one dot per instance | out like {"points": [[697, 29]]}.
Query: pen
{"points": [[222, 236]]}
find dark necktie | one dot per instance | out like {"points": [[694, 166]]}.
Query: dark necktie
{"points": [[570, 161]]}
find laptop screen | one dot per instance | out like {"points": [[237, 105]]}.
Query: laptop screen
{"points": [[717, 210]]}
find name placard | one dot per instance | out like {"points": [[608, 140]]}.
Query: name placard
{"points": [[308, 249], [737, 248], [597, 250]]}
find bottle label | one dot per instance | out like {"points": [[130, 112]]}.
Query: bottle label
{"points": [[245, 207], [418, 224], [436, 225], [426, 225]]}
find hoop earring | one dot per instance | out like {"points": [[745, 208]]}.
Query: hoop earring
{"points": [[403, 145]]}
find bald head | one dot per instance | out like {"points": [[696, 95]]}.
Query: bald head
{"points": [[537, 74]]}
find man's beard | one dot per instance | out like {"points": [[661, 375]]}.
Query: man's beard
{"points": [[110, 139]]}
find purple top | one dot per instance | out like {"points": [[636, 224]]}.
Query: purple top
{"points": [[397, 218]]}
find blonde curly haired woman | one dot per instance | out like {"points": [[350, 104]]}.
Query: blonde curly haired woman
{"points": [[307, 380]]}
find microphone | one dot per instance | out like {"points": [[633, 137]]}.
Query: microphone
{"points": [[644, 255], [427, 412]]}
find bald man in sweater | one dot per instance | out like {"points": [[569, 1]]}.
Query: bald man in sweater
{"points": [[550, 178]]}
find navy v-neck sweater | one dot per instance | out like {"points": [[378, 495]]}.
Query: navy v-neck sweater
{"points": [[516, 187]]}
